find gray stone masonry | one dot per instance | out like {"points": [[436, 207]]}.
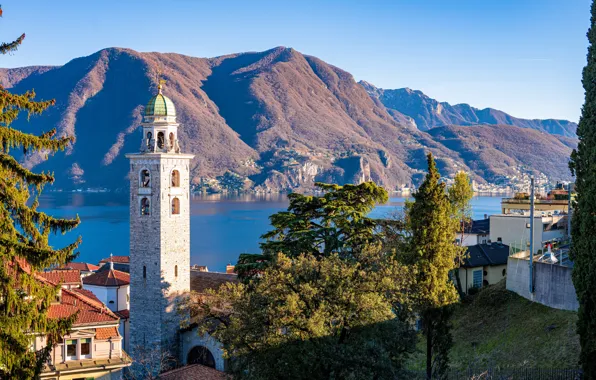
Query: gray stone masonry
{"points": [[159, 250]]}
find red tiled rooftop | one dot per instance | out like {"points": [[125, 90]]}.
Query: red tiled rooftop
{"points": [[117, 259], [83, 267], [200, 282], [104, 333], [109, 277], [123, 314], [87, 293], [88, 310], [62, 276], [194, 372]]}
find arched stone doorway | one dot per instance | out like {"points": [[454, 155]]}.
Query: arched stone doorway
{"points": [[201, 355]]}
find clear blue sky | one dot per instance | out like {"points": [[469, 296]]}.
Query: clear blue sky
{"points": [[521, 56]]}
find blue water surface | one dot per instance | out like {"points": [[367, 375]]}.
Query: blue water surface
{"points": [[222, 226]]}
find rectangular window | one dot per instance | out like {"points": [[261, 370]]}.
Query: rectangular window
{"points": [[71, 349], [86, 348], [477, 278]]}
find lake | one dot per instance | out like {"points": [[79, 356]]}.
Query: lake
{"points": [[222, 226]]}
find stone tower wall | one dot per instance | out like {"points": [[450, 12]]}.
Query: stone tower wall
{"points": [[161, 243]]}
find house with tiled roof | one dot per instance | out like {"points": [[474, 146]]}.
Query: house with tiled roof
{"points": [[121, 263], [68, 278], [93, 347], [484, 264], [112, 287], [85, 268]]}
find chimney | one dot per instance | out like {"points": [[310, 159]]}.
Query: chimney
{"points": [[230, 269], [485, 216], [111, 262]]}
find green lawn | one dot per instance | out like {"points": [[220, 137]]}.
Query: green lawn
{"points": [[498, 328]]}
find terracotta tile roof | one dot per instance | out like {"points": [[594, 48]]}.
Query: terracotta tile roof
{"points": [[202, 281], [105, 333], [87, 293], [83, 267], [117, 259], [109, 277], [194, 372], [62, 276], [123, 314], [89, 310]]}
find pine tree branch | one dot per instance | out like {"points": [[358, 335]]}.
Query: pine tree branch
{"points": [[7, 47]]}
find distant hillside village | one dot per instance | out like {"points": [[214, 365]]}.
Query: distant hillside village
{"points": [[124, 303]]}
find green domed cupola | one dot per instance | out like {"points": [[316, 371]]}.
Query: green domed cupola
{"points": [[160, 105]]}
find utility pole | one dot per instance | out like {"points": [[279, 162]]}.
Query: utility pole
{"points": [[531, 235]]}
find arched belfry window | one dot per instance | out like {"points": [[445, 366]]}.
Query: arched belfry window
{"points": [[175, 270], [145, 206], [144, 271], [149, 137], [172, 140], [160, 140], [175, 178], [175, 206], [145, 178]]}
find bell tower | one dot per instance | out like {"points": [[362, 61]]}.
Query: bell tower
{"points": [[159, 230]]}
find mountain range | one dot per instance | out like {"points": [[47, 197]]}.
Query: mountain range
{"points": [[278, 120]]}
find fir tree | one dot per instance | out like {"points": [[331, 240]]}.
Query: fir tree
{"points": [[430, 248], [583, 226], [24, 248]]}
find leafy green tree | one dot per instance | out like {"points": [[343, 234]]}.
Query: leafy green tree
{"points": [[583, 226], [336, 221], [231, 181], [460, 195], [429, 247], [24, 248], [313, 317]]}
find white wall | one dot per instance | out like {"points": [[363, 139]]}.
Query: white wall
{"points": [[124, 297], [473, 239], [107, 294], [513, 231], [100, 292]]}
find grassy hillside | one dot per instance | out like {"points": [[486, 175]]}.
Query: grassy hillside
{"points": [[498, 328]]}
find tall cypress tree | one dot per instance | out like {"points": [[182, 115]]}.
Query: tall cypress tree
{"points": [[430, 248], [24, 248], [583, 227]]}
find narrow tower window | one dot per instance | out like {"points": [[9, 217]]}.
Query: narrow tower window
{"points": [[148, 142], [160, 140], [175, 270], [145, 206], [144, 271], [145, 178], [175, 178], [175, 206], [171, 140]]}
